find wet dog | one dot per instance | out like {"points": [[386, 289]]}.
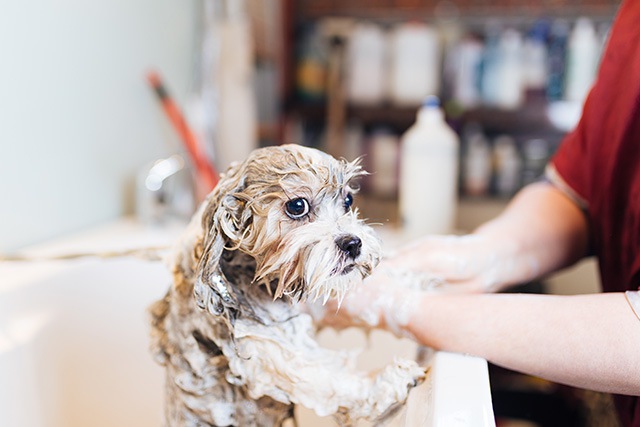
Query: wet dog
{"points": [[279, 230]]}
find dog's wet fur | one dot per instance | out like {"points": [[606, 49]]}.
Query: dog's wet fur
{"points": [[277, 232]]}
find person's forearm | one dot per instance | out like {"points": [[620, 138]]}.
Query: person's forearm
{"points": [[589, 341], [541, 230]]}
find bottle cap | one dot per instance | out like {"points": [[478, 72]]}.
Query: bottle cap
{"points": [[431, 101]]}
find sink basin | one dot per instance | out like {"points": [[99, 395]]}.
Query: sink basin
{"points": [[74, 344]]}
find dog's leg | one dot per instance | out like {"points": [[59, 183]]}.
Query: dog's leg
{"points": [[283, 362]]}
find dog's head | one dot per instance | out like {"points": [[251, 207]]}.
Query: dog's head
{"points": [[289, 208]]}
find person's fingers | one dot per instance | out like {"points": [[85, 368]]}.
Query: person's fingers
{"points": [[451, 265], [456, 259]]}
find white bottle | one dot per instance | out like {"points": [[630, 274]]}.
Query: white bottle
{"points": [[429, 173], [510, 93], [491, 65], [383, 151], [415, 63], [476, 163], [464, 64], [582, 60], [508, 166], [535, 59], [366, 70]]}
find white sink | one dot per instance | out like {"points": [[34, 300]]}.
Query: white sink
{"points": [[74, 344]]}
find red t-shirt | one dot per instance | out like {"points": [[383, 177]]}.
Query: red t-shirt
{"points": [[599, 165]]}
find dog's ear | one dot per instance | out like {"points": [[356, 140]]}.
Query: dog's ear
{"points": [[222, 219], [222, 227]]}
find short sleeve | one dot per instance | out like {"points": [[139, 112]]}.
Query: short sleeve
{"points": [[633, 297], [567, 171], [592, 150]]}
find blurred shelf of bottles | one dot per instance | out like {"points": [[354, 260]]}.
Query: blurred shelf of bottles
{"points": [[512, 82], [490, 165], [390, 11]]}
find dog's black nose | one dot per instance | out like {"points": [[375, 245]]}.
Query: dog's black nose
{"points": [[350, 244]]}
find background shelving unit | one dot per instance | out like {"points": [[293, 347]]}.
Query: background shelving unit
{"points": [[529, 121], [524, 123]]}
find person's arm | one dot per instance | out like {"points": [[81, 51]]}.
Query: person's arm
{"points": [[588, 341], [549, 229], [540, 231]]}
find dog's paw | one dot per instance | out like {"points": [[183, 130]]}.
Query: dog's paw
{"points": [[392, 385], [402, 375]]}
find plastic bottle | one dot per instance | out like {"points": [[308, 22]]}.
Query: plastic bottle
{"points": [[353, 141], [536, 58], [556, 62], [414, 63], [311, 68], [366, 70], [582, 60], [508, 166], [463, 70], [429, 173], [476, 162], [491, 65], [535, 153], [510, 88], [383, 162]]}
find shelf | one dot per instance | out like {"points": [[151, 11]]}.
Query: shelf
{"points": [[400, 117], [529, 119], [514, 11], [471, 212]]}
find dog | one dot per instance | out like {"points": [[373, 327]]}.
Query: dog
{"points": [[279, 230]]}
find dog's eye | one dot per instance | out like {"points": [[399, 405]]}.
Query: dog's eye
{"points": [[348, 201], [297, 208]]}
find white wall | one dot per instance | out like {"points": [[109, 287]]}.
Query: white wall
{"points": [[77, 119]]}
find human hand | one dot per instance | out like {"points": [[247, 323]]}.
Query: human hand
{"points": [[386, 299], [463, 264], [469, 263]]}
